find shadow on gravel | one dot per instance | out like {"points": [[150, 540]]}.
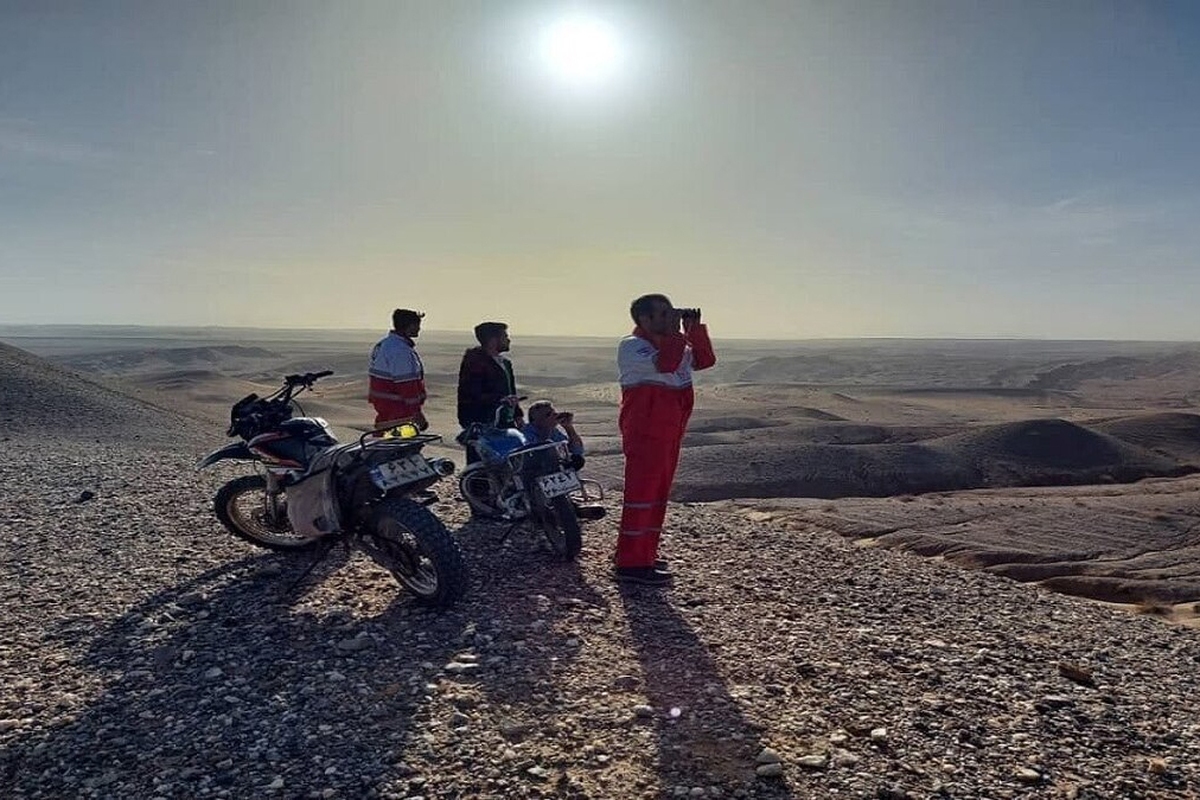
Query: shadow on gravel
{"points": [[227, 685], [213, 684], [699, 727]]}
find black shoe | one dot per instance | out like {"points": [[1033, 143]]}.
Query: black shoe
{"points": [[660, 564], [647, 576], [590, 512]]}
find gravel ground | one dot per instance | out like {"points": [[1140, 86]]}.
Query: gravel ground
{"points": [[146, 653]]}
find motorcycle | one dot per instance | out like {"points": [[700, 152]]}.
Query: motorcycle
{"points": [[519, 483], [313, 491]]}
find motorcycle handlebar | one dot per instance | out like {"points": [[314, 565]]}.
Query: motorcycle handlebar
{"points": [[307, 378], [500, 409], [252, 407]]}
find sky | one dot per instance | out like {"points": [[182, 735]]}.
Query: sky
{"points": [[796, 169]]}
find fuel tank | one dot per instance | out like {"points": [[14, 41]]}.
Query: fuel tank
{"points": [[294, 443]]}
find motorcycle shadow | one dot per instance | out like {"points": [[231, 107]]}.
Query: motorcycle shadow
{"points": [[496, 535], [230, 682]]}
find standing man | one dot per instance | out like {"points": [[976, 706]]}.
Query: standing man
{"points": [[486, 381], [397, 376], [655, 365]]}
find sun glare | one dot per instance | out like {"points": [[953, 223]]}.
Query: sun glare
{"points": [[580, 50]]}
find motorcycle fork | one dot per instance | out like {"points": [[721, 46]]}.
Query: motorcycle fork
{"points": [[271, 496]]}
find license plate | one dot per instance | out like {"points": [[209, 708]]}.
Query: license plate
{"points": [[409, 469], [558, 484]]}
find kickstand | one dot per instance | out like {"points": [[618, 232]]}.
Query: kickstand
{"points": [[507, 532], [322, 552]]}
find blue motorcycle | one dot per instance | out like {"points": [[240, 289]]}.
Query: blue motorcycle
{"points": [[523, 484]]}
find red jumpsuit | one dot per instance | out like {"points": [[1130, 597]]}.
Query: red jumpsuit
{"points": [[656, 403], [397, 380]]}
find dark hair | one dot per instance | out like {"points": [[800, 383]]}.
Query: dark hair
{"points": [[403, 317], [537, 407], [644, 306], [486, 331]]}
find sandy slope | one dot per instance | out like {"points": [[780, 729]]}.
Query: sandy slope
{"points": [[38, 397], [146, 653]]}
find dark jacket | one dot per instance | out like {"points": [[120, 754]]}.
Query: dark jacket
{"points": [[482, 383]]}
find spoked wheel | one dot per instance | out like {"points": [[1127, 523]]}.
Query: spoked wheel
{"points": [[244, 507], [412, 544], [560, 526]]}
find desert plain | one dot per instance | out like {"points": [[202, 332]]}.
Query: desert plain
{"points": [[906, 568]]}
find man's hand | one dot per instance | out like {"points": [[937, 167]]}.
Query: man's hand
{"points": [[567, 420]]}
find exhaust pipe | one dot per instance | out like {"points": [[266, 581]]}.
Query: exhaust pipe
{"points": [[444, 467]]}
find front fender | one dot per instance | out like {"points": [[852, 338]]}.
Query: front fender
{"points": [[238, 451]]}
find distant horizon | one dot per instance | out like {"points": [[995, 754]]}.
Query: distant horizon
{"points": [[18, 330]]}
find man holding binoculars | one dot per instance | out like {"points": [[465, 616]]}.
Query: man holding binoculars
{"points": [[655, 365]]}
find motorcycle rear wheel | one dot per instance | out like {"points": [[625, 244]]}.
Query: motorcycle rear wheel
{"points": [[243, 507], [416, 547], [560, 526]]}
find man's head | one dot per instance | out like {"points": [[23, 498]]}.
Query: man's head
{"points": [[543, 417], [654, 313], [493, 337], [407, 322]]}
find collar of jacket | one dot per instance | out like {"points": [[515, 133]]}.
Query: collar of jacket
{"points": [[407, 340], [479, 356], [642, 333], [482, 353]]}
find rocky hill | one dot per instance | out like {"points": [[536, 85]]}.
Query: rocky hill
{"points": [[39, 398]]}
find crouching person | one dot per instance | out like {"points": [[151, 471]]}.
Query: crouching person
{"points": [[545, 424]]}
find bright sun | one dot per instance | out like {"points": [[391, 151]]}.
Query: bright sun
{"points": [[581, 50]]}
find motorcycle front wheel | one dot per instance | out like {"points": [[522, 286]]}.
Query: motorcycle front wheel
{"points": [[560, 526], [248, 512], [416, 547]]}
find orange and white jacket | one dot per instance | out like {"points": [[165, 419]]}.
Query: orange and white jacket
{"points": [[656, 380], [397, 376]]}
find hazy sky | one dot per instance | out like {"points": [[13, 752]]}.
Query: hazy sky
{"points": [[803, 169]]}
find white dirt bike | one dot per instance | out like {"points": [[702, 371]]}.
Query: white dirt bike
{"points": [[312, 491]]}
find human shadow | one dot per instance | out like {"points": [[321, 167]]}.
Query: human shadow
{"points": [[214, 684], [701, 732], [229, 684]]}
